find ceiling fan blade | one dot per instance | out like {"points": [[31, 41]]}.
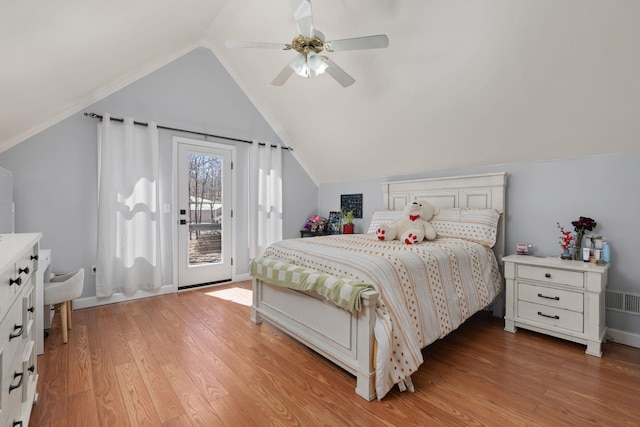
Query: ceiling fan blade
{"points": [[257, 45], [338, 73], [302, 15], [283, 76], [368, 42]]}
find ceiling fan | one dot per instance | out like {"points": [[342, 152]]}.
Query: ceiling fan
{"points": [[310, 44]]}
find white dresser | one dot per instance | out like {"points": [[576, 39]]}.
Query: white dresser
{"points": [[18, 362], [562, 298]]}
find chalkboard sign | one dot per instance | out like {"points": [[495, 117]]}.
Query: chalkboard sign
{"points": [[351, 202], [334, 222]]}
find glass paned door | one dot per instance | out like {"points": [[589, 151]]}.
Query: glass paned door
{"points": [[204, 220]]}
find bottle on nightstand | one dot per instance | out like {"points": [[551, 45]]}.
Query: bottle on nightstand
{"points": [[606, 252]]}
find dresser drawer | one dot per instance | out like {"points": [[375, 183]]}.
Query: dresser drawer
{"points": [[26, 263], [7, 291], [551, 297], [28, 311], [12, 382], [11, 332], [557, 317], [29, 371], [551, 275]]}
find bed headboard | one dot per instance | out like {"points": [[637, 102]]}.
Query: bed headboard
{"points": [[469, 191]]}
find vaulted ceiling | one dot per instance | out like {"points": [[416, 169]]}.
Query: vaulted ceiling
{"points": [[462, 83]]}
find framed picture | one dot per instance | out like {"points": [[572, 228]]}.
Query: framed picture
{"points": [[333, 223], [351, 202]]}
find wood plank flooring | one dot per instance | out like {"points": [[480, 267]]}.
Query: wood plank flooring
{"points": [[195, 359]]}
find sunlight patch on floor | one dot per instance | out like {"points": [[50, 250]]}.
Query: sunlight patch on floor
{"points": [[237, 295]]}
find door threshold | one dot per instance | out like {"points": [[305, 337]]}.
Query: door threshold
{"points": [[199, 285]]}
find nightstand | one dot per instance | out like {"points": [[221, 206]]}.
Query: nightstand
{"points": [[309, 233], [562, 298]]}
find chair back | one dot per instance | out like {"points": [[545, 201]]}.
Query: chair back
{"points": [[70, 284]]}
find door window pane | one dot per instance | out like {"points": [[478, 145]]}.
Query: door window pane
{"points": [[205, 209]]}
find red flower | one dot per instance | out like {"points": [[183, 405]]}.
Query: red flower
{"points": [[566, 238]]}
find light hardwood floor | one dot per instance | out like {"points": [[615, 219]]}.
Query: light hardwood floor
{"points": [[195, 358]]}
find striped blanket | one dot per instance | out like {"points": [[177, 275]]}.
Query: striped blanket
{"points": [[344, 293], [426, 290]]}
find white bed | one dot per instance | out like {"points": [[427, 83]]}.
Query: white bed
{"points": [[347, 337]]}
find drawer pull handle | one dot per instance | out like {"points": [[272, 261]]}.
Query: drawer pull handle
{"points": [[550, 317], [553, 298], [17, 423], [19, 328], [34, 257], [547, 275], [32, 368], [23, 270], [16, 375], [17, 281], [30, 309]]}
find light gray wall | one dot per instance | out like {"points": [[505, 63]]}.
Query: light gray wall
{"points": [[541, 194], [55, 176], [6, 201]]}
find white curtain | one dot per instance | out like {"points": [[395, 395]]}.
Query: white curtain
{"points": [[265, 193], [128, 214]]}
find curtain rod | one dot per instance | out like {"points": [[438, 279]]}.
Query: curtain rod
{"points": [[116, 119]]}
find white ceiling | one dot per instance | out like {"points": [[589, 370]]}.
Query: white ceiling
{"points": [[462, 84]]}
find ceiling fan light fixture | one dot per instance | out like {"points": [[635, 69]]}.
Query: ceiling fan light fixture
{"points": [[303, 64], [316, 63], [300, 65]]}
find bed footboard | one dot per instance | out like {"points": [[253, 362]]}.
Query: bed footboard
{"points": [[345, 338]]}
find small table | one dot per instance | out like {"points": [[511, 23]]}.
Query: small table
{"points": [[309, 233]]}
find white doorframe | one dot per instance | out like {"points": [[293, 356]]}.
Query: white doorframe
{"points": [[212, 143]]}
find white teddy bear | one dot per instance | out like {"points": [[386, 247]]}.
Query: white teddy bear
{"points": [[414, 227]]}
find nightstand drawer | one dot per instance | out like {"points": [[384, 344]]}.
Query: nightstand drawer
{"points": [[551, 297], [558, 317], [551, 275]]}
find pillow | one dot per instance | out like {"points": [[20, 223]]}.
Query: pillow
{"points": [[383, 216], [476, 225]]}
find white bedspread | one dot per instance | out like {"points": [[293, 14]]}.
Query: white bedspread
{"points": [[426, 290]]}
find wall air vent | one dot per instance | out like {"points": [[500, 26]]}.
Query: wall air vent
{"points": [[620, 301]]}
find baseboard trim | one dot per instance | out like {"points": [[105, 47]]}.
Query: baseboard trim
{"points": [[623, 337], [120, 297]]}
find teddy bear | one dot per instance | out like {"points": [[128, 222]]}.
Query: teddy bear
{"points": [[413, 227]]}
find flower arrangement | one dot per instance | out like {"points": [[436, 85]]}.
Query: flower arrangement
{"points": [[579, 226], [565, 242], [315, 223], [583, 223]]}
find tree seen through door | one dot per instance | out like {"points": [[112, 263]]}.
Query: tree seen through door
{"points": [[205, 208]]}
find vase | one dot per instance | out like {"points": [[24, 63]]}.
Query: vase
{"points": [[577, 254], [347, 228], [566, 254]]}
